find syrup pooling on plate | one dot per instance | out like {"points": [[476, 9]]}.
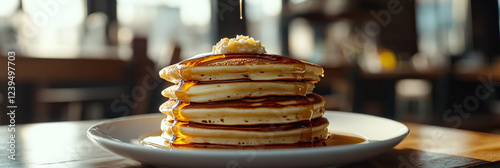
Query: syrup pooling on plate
{"points": [[155, 140]]}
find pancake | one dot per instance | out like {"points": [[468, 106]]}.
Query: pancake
{"points": [[257, 67], [239, 95], [250, 111], [188, 133], [192, 91]]}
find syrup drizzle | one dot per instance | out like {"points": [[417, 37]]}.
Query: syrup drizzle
{"points": [[241, 9]]}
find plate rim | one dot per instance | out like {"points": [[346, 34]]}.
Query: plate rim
{"points": [[211, 151], [106, 142]]}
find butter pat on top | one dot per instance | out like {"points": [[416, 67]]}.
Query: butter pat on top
{"points": [[240, 44]]}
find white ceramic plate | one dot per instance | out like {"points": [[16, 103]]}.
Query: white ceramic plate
{"points": [[120, 136]]}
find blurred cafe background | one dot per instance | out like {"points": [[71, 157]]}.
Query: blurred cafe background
{"points": [[426, 61]]}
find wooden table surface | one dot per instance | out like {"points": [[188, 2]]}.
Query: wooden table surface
{"points": [[65, 144]]}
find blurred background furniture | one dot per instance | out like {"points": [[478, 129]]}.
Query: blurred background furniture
{"points": [[61, 89], [406, 60]]}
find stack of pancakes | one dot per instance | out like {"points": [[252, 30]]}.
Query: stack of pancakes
{"points": [[242, 99]]}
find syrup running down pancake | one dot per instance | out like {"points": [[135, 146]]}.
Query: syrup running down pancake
{"points": [[265, 110], [233, 90], [256, 67], [180, 133]]}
